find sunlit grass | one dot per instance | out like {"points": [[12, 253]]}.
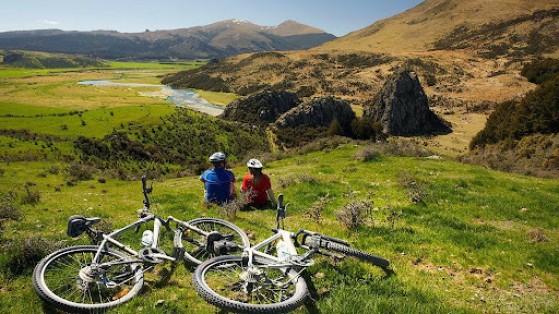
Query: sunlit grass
{"points": [[466, 250], [217, 98]]}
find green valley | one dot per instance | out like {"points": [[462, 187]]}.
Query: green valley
{"points": [[461, 238]]}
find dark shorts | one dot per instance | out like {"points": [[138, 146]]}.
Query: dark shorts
{"points": [[267, 205]]}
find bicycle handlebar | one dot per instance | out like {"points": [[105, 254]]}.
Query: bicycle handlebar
{"points": [[146, 190]]}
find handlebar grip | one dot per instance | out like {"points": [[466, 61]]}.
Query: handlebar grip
{"points": [[280, 200], [144, 181]]}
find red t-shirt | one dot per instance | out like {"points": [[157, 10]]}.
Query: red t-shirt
{"points": [[256, 193]]}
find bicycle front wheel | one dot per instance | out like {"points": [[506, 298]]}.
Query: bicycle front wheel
{"points": [[67, 280], [224, 282], [194, 243]]}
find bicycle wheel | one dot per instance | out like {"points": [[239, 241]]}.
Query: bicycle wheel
{"points": [[347, 250], [66, 280], [194, 243], [224, 282]]}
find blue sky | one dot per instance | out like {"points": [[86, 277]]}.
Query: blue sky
{"points": [[337, 17]]}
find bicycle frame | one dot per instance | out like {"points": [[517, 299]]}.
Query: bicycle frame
{"points": [[110, 238]]}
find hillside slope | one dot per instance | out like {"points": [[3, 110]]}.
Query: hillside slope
{"points": [[211, 41], [461, 24], [462, 239]]}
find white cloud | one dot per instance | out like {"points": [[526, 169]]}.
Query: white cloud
{"points": [[49, 22]]}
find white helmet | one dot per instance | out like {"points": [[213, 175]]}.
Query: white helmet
{"points": [[217, 157], [254, 163]]}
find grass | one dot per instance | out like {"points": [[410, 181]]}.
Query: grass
{"points": [[220, 99], [94, 123], [465, 250], [467, 247]]}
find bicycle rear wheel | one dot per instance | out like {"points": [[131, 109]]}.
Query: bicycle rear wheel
{"points": [[224, 282], [66, 280], [194, 243], [347, 250]]}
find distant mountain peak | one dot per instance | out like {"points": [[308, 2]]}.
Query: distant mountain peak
{"points": [[293, 28]]}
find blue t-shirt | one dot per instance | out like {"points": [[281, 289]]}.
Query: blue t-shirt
{"points": [[218, 185]]}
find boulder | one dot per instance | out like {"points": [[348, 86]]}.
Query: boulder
{"points": [[402, 108], [261, 108], [318, 112]]}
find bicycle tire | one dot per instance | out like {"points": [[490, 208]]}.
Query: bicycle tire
{"points": [[207, 279], [347, 250], [75, 259], [196, 254]]}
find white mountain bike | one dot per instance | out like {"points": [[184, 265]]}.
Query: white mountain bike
{"points": [[259, 282], [93, 278]]}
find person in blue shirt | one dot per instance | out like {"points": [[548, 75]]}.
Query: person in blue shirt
{"points": [[219, 183]]}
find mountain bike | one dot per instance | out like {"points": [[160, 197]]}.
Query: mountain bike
{"points": [[259, 282], [93, 278]]}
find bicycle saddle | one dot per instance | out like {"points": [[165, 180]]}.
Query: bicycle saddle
{"points": [[77, 224]]}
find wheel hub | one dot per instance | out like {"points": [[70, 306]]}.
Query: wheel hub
{"points": [[87, 274], [252, 275]]}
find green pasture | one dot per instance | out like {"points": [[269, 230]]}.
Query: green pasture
{"points": [[468, 247], [93, 123]]}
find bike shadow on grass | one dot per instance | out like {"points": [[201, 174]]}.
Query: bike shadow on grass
{"points": [[315, 295]]}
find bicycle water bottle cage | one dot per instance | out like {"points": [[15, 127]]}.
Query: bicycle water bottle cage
{"points": [[78, 224]]}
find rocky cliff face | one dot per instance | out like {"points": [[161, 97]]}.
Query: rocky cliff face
{"points": [[402, 108], [261, 108], [319, 112]]}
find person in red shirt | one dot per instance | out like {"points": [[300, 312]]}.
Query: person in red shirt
{"points": [[257, 187]]}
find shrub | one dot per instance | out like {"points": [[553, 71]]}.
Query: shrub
{"points": [[80, 172], [367, 154], [537, 112], [393, 215], [414, 191], [231, 208], [31, 197], [23, 254], [8, 207], [541, 71], [315, 211], [354, 214]]}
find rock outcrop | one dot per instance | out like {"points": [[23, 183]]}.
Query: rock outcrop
{"points": [[261, 108], [318, 112], [402, 108]]}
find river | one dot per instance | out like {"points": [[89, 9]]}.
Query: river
{"points": [[180, 97]]}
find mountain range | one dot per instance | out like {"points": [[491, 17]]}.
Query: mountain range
{"points": [[216, 40]]}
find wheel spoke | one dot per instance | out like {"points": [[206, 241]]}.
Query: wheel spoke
{"points": [[69, 276]]}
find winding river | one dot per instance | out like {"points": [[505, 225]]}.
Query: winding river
{"points": [[180, 97]]}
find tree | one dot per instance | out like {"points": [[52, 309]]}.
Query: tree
{"points": [[335, 128]]}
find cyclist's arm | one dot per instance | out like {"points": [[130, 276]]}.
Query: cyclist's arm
{"points": [[271, 196]]}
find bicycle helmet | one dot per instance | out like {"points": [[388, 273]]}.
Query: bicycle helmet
{"points": [[217, 157], [254, 163]]}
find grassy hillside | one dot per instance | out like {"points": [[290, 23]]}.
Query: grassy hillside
{"points": [[41, 60], [522, 136], [462, 239], [460, 24]]}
